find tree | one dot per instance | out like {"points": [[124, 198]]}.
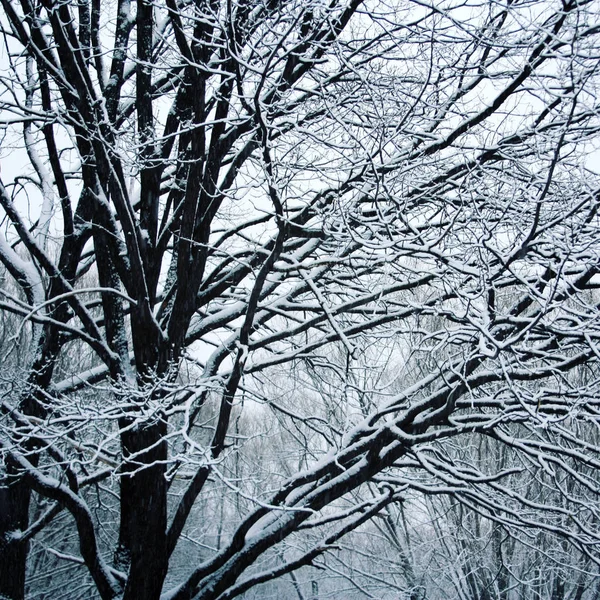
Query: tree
{"points": [[201, 195]]}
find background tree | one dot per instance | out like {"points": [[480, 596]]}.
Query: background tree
{"points": [[199, 195]]}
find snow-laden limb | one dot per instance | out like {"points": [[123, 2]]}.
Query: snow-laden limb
{"points": [[24, 272]]}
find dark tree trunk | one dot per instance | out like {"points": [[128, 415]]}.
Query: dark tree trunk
{"points": [[14, 494], [142, 536], [15, 497], [14, 518], [558, 589]]}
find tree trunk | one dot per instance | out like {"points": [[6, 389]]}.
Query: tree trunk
{"points": [[15, 497], [14, 518], [142, 536]]}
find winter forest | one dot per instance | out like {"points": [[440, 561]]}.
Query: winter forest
{"points": [[300, 299]]}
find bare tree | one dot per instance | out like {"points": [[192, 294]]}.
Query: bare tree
{"points": [[199, 195]]}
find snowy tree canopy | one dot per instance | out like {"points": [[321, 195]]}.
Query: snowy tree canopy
{"points": [[277, 275]]}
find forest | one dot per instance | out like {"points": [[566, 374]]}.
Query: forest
{"points": [[300, 299]]}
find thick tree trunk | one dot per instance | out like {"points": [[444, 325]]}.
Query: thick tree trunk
{"points": [[14, 494], [142, 536], [558, 588], [14, 518], [15, 497]]}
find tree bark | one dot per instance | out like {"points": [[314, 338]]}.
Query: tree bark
{"points": [[142, 535], [14, 518]]}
